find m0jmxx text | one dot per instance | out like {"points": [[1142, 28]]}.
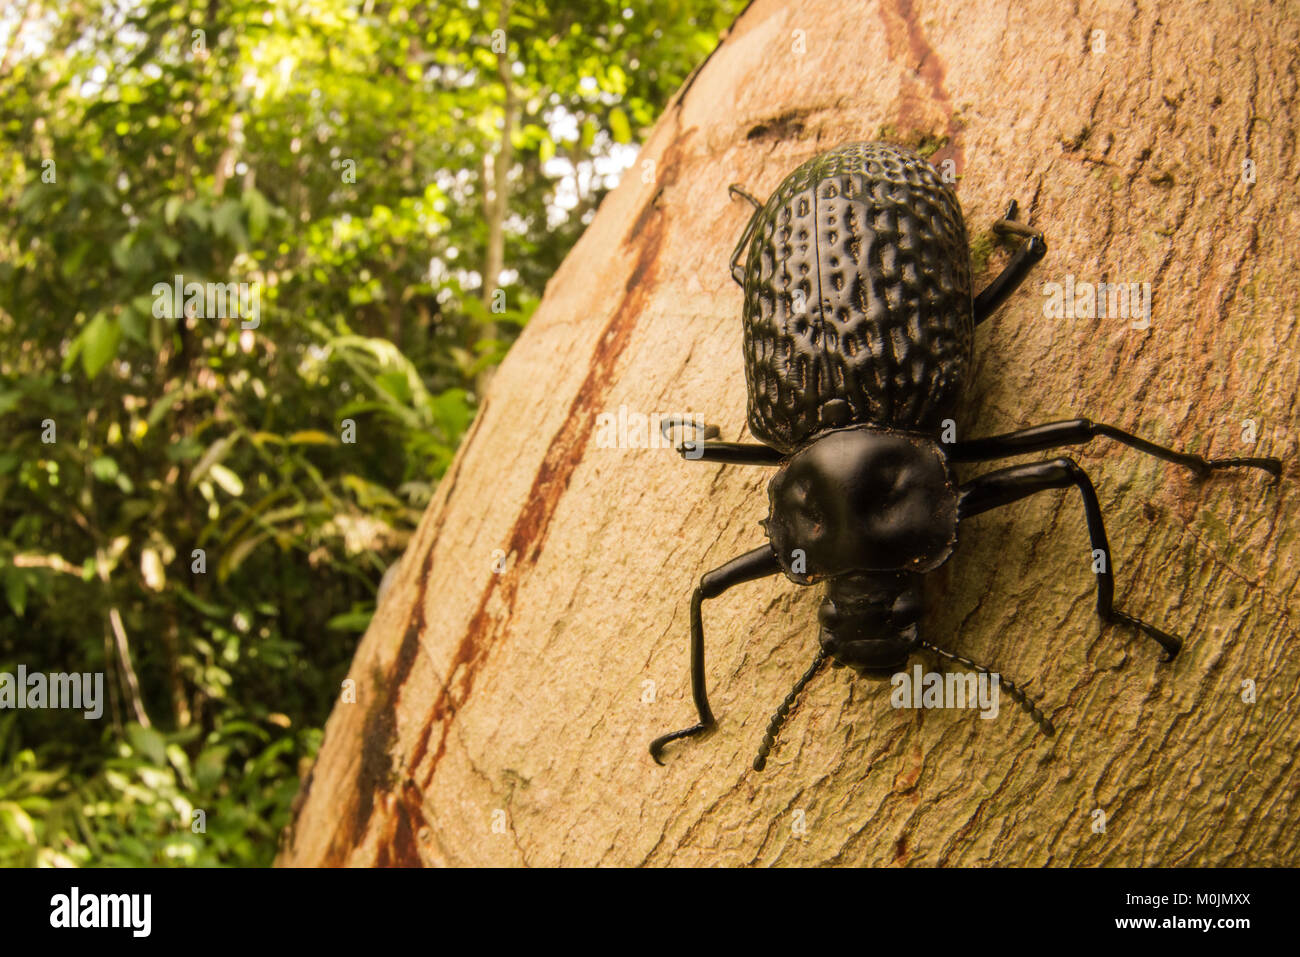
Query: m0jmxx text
{"points": [[1164, 900]]}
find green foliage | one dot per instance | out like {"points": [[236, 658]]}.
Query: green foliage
{"points": [[335, 158], [152, 799]]}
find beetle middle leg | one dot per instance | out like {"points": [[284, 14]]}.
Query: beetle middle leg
{"points": [[1079, 431], [759, 563], [1012, 484], [1007, 281]]}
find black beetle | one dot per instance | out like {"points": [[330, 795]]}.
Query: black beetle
{"points": [[859, 325]]}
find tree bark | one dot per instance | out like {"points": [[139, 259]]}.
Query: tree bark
{"points": [[503, 707]]}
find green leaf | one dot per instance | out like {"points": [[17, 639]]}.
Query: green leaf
{"points": [[120, 252], [161, 407], [72, 262], [198, 212], [217, 451], [453, 412], [210, 766], [259, 211], [148, 742], [104, 468], [74, 350], [169, 247], [198, 604], [180, 761], [312, 437], [357, 621], [99, 344], [33, 198], [235, 556], [228, 221], [227, 479], [135, 326], [396, 385], [16, 590], [619, 127], [16, 823], [260, 439]]}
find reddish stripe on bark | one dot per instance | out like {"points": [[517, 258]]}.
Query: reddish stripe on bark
{"points": [[552, 479], [903, 34]]}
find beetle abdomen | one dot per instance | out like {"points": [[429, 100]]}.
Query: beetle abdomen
{"points": [[857, 297]]}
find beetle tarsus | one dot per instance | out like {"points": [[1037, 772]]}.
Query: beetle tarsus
{"points": [[1172, 644], [658, 744], [1010, 226], [1270, 465]]}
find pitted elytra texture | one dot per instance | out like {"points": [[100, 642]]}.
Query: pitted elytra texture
{"points": [[857, 297]]}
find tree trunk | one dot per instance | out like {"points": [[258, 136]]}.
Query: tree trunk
{"points": [[504, 705]]}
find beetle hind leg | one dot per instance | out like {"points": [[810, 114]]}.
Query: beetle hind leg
{"points": [[1012, 484]]}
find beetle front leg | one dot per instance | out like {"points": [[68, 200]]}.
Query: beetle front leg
{"points": [[704, 450], [758, 563], [1007, 281], [1012, 484]]}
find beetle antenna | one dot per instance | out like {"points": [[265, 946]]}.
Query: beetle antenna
{"points": [[1026, 702], [783, 712]]}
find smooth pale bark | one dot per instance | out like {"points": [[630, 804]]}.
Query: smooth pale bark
{"points": [[517, 693]]}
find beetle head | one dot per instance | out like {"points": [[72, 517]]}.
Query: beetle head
{"points": [[862, 499]]}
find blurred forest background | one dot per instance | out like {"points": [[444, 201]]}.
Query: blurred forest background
{"points": [[366, 165]]}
